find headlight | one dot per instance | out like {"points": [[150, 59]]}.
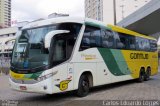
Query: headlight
{"points": [[41, 78]]}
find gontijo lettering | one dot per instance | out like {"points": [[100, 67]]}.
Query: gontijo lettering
{"points": [[139, 56]]}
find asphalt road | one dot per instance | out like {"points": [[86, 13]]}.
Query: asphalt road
{"points": [[128, 90]]}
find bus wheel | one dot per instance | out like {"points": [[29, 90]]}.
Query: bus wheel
{"points": [[141, 75], [147, 74], [83, 87]]}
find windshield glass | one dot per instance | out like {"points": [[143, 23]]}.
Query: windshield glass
{"points": [[29, 52]]}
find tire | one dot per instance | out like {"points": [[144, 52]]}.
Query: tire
{"points": [[83, 86], [147, 74], [141, 75]]}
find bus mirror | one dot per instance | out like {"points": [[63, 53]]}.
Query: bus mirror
{"points": [[50, 34]]}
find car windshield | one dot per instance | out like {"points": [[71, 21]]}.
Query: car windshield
{"points": [[29, 51]]}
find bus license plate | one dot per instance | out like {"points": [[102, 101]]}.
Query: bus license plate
{"points": [[23, 88]]}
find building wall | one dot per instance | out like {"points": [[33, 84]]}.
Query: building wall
{"points": [[108, 12], [6, 42], [5, 13], [102, 10], [54, 15], [94, 9]]}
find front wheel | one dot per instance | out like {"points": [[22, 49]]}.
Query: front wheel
{"points": [[83, 87]]}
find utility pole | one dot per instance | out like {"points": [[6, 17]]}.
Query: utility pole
{"points": [[122, 6], [114, 12]]}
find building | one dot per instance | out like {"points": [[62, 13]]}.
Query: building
{"points": [[145, 20], [5, 13], [94, 9], [54, 15], [102, 10], [19, 25], [7, 37]]}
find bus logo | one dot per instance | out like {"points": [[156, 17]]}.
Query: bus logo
{"points": [[63, 85]]}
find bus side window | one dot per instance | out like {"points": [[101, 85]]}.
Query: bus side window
{"points": [[98, 38], [132, 43], [85, 44], [107, 39], [139, 44], [143, 44], [121, 41], [91, 38], [153, 45], [146, 45]]}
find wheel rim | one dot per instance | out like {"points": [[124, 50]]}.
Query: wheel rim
{"points": [[141, 77], [85, 86], [148, 74]]}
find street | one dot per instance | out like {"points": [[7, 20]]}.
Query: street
{"points": [[128, 90]]}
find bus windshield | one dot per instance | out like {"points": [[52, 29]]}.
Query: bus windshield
{"points": [[29, 50]]}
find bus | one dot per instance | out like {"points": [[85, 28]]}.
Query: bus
{"points": [[75, 54]]}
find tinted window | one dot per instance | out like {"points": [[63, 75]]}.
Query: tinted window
{"points": [[132, 43], [153, 45], [107, 39], [91, 38], [121, 41], [97, 37], [142, 44], [124, 41], [146, 45]]}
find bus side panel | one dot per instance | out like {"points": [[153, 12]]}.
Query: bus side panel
{"points": [[138, 59], [104, 76], [154, 63], [117, 68]]}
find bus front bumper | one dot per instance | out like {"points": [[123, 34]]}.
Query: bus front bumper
{"points": [[44, 87]]}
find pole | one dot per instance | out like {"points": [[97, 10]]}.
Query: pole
{"points": [[122, 6], [114, 12]]}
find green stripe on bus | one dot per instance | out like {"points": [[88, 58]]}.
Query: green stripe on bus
{"points": [[115, 62], [27, 75], [33, 76], [120, 60], [97, 25]]}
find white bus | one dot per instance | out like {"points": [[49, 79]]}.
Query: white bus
{"points": [[65, 54]]}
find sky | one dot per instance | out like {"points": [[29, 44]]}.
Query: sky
{"points": [[28, 10]]}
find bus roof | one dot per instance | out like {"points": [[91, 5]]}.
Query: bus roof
{"points": [[40, 23], [51, 21], [82, 21], [126, 31]]}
